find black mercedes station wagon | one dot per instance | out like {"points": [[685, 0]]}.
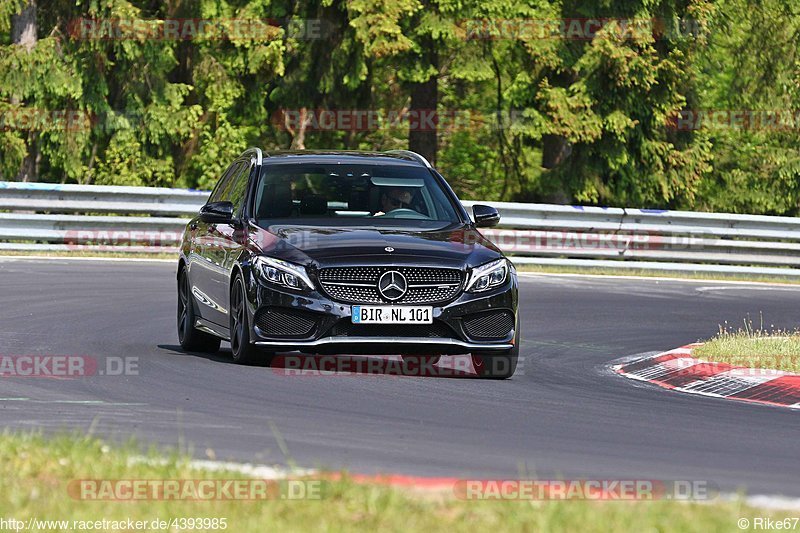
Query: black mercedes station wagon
{"points": [[345, 253]]}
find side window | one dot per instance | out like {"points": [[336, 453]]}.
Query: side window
{"points": [[238, 188], [220, 191]]}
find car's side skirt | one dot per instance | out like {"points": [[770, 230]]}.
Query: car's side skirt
{"points": [[212, 328]]}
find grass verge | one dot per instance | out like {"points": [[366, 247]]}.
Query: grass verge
{"points": [[753, 348], [35, 475]]}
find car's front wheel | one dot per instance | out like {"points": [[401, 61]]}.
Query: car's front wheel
{"points": [[190, 338], [243, 350]]}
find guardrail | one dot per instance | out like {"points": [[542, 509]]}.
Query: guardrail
{"points": [[52, 217]]}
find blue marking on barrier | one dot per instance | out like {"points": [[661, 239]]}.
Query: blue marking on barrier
{"points": [[34, 186], [654, 211]]}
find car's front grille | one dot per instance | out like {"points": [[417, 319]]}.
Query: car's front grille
{"points": [[426, 285], [348, 293], [493, 325], [273, 322], [344, 328]]}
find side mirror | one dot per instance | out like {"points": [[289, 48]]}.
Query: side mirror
{"points": [[485, 216], [217, 213]]}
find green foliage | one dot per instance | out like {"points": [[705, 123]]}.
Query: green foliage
{"points": [[38, 476], [549, 118], [753, 65]]}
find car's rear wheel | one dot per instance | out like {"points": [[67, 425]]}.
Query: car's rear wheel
{"points": [[243, 350], [190, 338], [498, 365]]}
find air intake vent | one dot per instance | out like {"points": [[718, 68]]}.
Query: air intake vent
{"points": [[273, 322], [494, 325]]}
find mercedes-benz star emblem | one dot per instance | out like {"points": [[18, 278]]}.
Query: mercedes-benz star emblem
{"points": [[392, 285], [389, 249]]}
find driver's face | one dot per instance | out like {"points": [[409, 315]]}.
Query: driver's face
{"points": [[396, 199]]}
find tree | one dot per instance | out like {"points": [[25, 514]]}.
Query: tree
{"points": [[23, 33], [751, 68], [601, 107], [533, 100]]}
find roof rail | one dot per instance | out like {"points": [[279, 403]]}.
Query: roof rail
{"points": [[257, 152], [413, 155]]}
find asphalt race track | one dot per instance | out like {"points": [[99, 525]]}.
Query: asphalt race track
{"points": [[564, 416]]}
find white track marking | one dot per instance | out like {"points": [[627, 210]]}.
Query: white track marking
{"points": [[248, 469], [655, 278], [782, 288], [13, 258]]}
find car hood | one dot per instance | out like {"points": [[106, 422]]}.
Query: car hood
{"points": [[454, 245]]}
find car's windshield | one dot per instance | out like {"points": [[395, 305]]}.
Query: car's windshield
{"points": [[334, 194]]}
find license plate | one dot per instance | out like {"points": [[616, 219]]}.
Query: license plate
{"points": [[391, 314]]}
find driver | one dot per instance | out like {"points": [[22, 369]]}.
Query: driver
{"points": [[395, 198]]}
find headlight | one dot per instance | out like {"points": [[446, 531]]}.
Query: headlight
{"points": [[282, 273], [488, 276]]}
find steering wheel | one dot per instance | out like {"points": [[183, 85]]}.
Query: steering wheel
{"points": [[405, 213]]}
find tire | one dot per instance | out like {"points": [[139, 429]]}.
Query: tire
{"points": [[243, 350], [190, 338], [498, 365]]}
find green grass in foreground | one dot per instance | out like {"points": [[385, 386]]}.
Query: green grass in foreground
{"points": [[35, 473], [753, 348]]}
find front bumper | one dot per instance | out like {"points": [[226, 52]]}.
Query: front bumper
{"points": [[398, 343], [333, 332]]}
